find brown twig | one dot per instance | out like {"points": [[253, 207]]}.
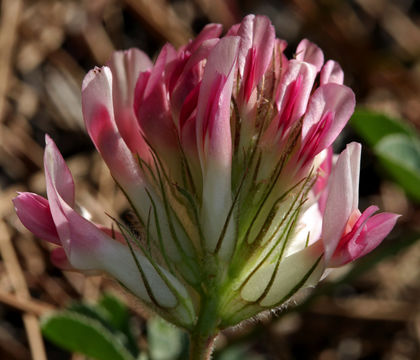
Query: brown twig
{"points": [[18, 281], [10, 11], [27, 305]]}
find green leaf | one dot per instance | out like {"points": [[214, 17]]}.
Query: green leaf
{"points": [[117, 313], [372, 126], [119, 317], [400, 155], [166, 342], [91, 312], [109, 321], [396, 145], [79, 333]]}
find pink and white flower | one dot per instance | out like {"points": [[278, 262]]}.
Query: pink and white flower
{"points": [[223, 149], [88, 247]]}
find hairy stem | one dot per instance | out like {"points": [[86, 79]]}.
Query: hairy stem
{"points": [[201, 347], [206, 330]]}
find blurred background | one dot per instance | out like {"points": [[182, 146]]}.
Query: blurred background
{"points": [[367, 310]]}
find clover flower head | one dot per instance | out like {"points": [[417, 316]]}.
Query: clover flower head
{"points": [[223, 149]]}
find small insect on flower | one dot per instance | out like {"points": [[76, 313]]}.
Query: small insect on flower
{"points": [[223, 149]]}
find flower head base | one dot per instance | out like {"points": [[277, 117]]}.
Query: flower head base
{"points": [[223, 149]]}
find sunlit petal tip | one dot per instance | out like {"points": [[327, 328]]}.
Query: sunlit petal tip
{"points": [[309, 52], [57, 169], [98, 113], [331, 73]]}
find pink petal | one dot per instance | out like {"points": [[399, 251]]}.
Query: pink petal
{"points": [[280, 62], [331, 73], [245, 32], [166, 56], [54, 165], [200, 54], [174, 70], [34, 212], [377, 228], [248, 82], [366, 234], [336, 100], [189, 106], [190, 77], [99, 118], [233, 31], [65, 181], [98, 113], [125, 68], [309, 52], [210, 31], [188, 131], [213, 116], [312, 144], [214, 136], [62, 212], [343, 197], [257, 34], [276, 70], [291, 98], [296, 70], [87, 247], [264, 36], [151, 105]]}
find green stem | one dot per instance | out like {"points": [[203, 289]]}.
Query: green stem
{"points": [[201, 347], [205, 332]]}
